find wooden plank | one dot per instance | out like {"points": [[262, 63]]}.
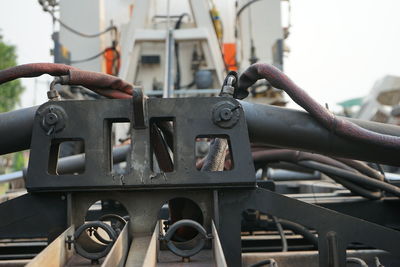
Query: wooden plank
{"points": [[55, 254], [151, 254], [217, 249], [143, 250], [117, 255]]}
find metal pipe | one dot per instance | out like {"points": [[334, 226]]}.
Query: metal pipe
{"points": [[16, 130], [285, 175], [8, 177], [288, 128], [269, 125], [71, 164], [356, 178], [76, 163], [327, 119]]}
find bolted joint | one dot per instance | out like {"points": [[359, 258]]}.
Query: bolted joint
{"points": [[225, 114], [69, 242], [53, 95], [53, 119], [228, 90]]}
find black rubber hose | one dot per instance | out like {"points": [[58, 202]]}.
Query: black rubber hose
{"points": [[281, 234], [362, 167], [244, 7], [299, 229], [359, 261], [358, 190], [353, 177], [178, 65]]}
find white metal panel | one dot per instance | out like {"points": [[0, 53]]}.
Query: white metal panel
{"points": [[87, 17], [262, 21]]}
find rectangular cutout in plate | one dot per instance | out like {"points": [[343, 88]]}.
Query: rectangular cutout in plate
{"points": [[162, 144], [213, 153], [120, 135], [61, 148]]}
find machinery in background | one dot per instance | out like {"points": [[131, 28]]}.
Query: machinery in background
{"points": [[175, 48], [205, 180], [150, 178]]}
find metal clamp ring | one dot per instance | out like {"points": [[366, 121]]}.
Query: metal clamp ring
{"points": [[94, 255], [185, 253], [105, 217]]}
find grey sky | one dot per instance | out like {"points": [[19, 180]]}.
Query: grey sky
{"points": [[339, 48]]}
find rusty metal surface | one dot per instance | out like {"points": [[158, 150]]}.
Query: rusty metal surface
{"points": [[103, 84], [33, 70]]}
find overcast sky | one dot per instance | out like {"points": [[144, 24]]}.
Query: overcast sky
{"points": [[339, 48]]}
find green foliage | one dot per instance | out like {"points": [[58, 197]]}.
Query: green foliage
{"points": [[9, 92], [18, 161]]}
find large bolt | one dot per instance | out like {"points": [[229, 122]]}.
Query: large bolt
{"points": [[51, 118], [225, 114]]}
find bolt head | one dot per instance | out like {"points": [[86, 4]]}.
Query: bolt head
{"points": [[51, 118], [225, 114]]}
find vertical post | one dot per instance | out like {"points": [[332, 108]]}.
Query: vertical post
{"points": [[229, 228], [169, 46]]}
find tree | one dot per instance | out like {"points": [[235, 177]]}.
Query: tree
{"points": [[9, 92], [9, 98]]}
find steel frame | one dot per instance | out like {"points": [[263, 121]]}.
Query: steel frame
{"points": [[56, 202]]}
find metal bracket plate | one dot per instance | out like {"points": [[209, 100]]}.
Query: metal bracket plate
{"points": [[90, 121]]}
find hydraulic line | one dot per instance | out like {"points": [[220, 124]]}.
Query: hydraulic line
{"points": [[178, 65], [215, 159], [356, 189], [89, 58], [281, 234], [242, 8], [300, 229], [276, 155], [361, 167], [334, 124], [359, 261], [353, 177], [103, 84]]}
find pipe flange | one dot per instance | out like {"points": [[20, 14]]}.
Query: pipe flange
{"points": [[94, 255], [189, 252], [226, 114], [53, 119]]}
